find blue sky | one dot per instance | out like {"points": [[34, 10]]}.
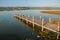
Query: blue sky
{"points": [[30, 3]]}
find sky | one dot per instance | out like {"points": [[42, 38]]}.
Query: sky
{"points": [[29, 3]]}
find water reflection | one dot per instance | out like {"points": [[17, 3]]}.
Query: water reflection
{"points": [[32, 35]]}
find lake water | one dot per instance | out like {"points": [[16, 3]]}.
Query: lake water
{"points": [[11, 29]]}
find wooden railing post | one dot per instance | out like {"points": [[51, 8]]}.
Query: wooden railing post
{"points": [[42, 24], [40, 17], [58, 32], [27, 18], [49, 20]]}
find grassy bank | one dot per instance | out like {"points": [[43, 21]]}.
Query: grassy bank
{"points": [[56, 22], [57, 12]]}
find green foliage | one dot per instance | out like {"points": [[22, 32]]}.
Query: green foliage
{"points": [[47, 35]]}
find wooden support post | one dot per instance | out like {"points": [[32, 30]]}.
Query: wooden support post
{"points": [[27, 20], [42, 25], [21, 17], [33, 22], [58, 32], [49, 20]]}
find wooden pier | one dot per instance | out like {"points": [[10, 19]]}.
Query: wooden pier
{"points": [[41, 23]]}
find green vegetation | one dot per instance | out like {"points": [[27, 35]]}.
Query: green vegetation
{"points": [[55, 22], [47, 35]]}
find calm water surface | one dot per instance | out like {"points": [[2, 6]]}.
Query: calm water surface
{"points": [[11, 29]]}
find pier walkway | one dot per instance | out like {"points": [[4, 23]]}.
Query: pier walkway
{"points": [[40, 23]]}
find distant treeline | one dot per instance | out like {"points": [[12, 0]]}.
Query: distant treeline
{"points": [[13, 8], [27, 8]]}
